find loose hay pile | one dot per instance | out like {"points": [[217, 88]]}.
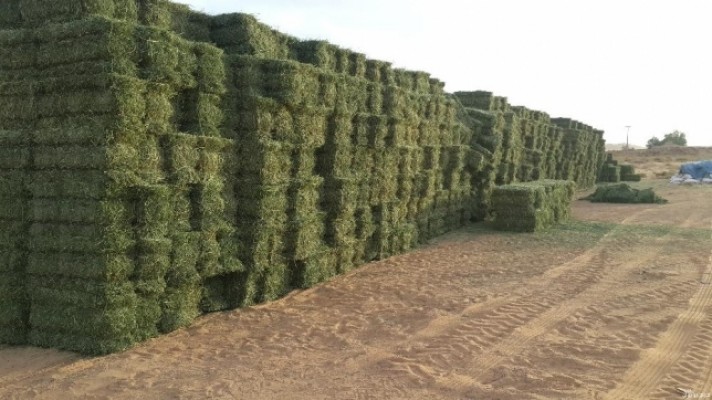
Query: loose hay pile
{"points": [[623, 193], [148, 176], [531, 206]]}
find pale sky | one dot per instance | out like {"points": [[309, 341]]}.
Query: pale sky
{"points": [[647, 64]]}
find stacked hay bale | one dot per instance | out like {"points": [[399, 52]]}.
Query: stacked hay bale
{"points": [[347, 138], [122, 166], [612, 172], [582, 152], [534, 137], [485, 115], [147, 176], [15, 162], [531, 206], [280, 121]]}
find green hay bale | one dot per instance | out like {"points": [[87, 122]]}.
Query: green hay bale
{"points": [[12, 235], [533, 206], [374, 102], [304, 164], [623, 193], [110, 43], [199, 113], [10, 14], [318, 53], [243, 34], [210, 72], [191, 159], [287, 82], [220, 293], [190, 24], [153, 258], [327, 90], [148, 316], [106, 308], [315, 269], [81, 343], [37, 12], [183, 269], [275, 281], [374, 70], [266, 160], [334, 160], [87, 211], [99, 94], [87, 184], [180, 306], [395, 101], [357, 65], [304, 195], [351, 95], [11, 260], [627, 170], [155, 13], [101, 267], [261, 201], [610, 173], [215, 257], [340, 229], [167, 58], [339, 194], [19, 49], [304, 236], [90, 239], [14, 308], [632, 178], [14, 157]]}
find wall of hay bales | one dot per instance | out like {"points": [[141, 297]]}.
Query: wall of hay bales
{"points": [[157, 163]]}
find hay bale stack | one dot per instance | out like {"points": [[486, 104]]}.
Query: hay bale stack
{"points": [[531, 206], [488, 125], [155, 176], [581, 156], [242, 34], [612, 172], [15, 160]]}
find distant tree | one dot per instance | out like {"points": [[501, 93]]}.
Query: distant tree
{"points": [[654, 142], [675, 138]]}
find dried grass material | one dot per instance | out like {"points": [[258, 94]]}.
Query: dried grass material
{"points": [[623, 193], [533, 206], [191, 25], [38, 12], [14, 307], [243, 34]]}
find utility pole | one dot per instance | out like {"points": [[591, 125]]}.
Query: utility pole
{"points": [[627, 132]]}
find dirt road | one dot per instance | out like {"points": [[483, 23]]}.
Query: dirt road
{"points": [[617, 305]]}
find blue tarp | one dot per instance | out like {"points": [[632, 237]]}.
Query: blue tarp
{"points": [[698, 170]]}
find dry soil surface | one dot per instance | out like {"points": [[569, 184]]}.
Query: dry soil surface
{"points": [[616, 305]]}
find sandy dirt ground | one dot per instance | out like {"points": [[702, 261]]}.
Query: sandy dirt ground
{"points": [[615, 305]]}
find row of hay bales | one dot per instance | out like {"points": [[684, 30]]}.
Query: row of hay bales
{"points": [[157, 163], [612, 172], [515, 144]]}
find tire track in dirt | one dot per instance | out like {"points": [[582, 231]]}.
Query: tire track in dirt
{"points": [[501, 332], [646, 374], [569, 301], [607, 243]]}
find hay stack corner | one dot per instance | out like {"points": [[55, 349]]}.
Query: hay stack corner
{"points": [[157, 163]]}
